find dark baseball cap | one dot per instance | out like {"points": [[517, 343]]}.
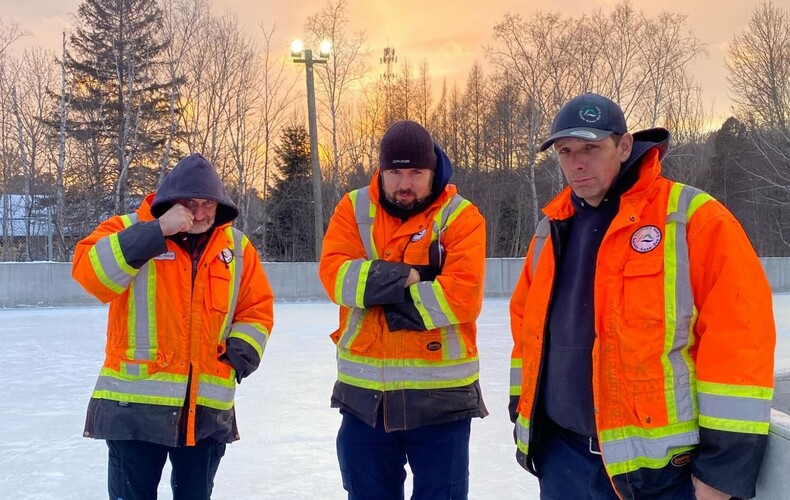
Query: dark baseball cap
{"points": [[589, 116]]}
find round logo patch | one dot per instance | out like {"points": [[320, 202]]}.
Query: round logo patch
{"points": [[681, 459], [226, 256], [645, 239], [434, 346], [590, 113], [418, 236]]}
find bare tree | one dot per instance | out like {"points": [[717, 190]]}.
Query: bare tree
{"points": [[342, 72], [758, 67], [277, 94], [182, 21]]}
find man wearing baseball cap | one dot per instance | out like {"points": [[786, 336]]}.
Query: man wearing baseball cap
{"points": [[404, 259], [643, 329]]}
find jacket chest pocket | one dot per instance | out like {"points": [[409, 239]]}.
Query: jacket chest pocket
{"points": [[643, 292], [416, 252], [218, 291]]}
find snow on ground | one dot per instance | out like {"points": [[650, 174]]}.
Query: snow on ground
{"points": [[287, 452]]}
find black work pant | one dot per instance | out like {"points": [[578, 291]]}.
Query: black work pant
{"points": [[135, 468], [372, 461]]}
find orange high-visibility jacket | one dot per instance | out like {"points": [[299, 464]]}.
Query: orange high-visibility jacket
{"points": [[165, 334], [684, 348], [413, 348]]}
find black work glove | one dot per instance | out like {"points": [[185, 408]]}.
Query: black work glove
{"points": [[436, 258], [241, 356]]}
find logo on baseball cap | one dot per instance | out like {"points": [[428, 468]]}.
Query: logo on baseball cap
{"points": [[589, 116]]}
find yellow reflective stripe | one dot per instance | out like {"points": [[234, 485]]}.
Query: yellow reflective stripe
{"points": [[522, 434], [671, 326], [216, 392], [629, 448], [395, 374], [351, 283], [115, 245], [236, 266], [160, 388], [453, 345], [542, 233], [341, 276], [739, 391], [352, 327], [141, 333], [730, 425], [254, 334], [455, 213], [431, 303], [515, 376], [365, 213], [99, 271]]}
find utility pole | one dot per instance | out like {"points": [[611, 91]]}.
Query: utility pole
{"points": [[305, 56]]}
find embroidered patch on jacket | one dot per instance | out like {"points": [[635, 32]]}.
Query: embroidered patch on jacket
{"points": [[225, 256], [645, 239], [166, 256], [418, 236], [434, 346], [681, 459]]}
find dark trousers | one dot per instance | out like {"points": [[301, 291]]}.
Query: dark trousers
{"points": [[135, 469], [567, 469], [372, 461]]}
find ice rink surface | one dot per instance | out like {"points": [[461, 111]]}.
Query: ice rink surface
{"points": [[51, 358]]}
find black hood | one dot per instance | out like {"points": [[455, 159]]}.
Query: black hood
{"points": [[644, 141], [194, 177]]}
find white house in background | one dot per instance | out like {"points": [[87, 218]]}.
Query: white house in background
{"points": [[24, 215]]}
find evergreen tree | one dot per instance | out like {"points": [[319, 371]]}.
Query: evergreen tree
{"points": [[119, 106], [290, 224]]}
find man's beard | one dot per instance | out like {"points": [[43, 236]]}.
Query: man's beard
{"points": [[410, 205], [201, 227]]}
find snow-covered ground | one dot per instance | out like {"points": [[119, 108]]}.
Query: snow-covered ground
{"points": [[51, 357]]}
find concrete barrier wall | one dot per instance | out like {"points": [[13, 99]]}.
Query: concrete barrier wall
{"points": [[773, 483], [49, 284]]}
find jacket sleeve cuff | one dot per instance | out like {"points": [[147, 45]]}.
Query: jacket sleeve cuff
{"points": [[242, 356], [141, 242], [729, 461], [386, 283]]}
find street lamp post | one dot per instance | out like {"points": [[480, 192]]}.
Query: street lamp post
{"points": [[305, 56]]}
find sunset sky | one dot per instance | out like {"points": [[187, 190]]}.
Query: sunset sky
{"points": [[450, 35]]}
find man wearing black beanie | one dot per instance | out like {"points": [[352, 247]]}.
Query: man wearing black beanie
{"points": [[404, 259]]}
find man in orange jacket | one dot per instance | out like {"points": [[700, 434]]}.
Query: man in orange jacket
{"points": [[643, 328], [190, 314], [404, 258]]}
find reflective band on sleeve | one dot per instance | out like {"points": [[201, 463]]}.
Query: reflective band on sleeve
{"points": [[108, 262], [735, 408], [522, 434], [351, 283], [515, 377], [429, 299], [252, 333]]}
